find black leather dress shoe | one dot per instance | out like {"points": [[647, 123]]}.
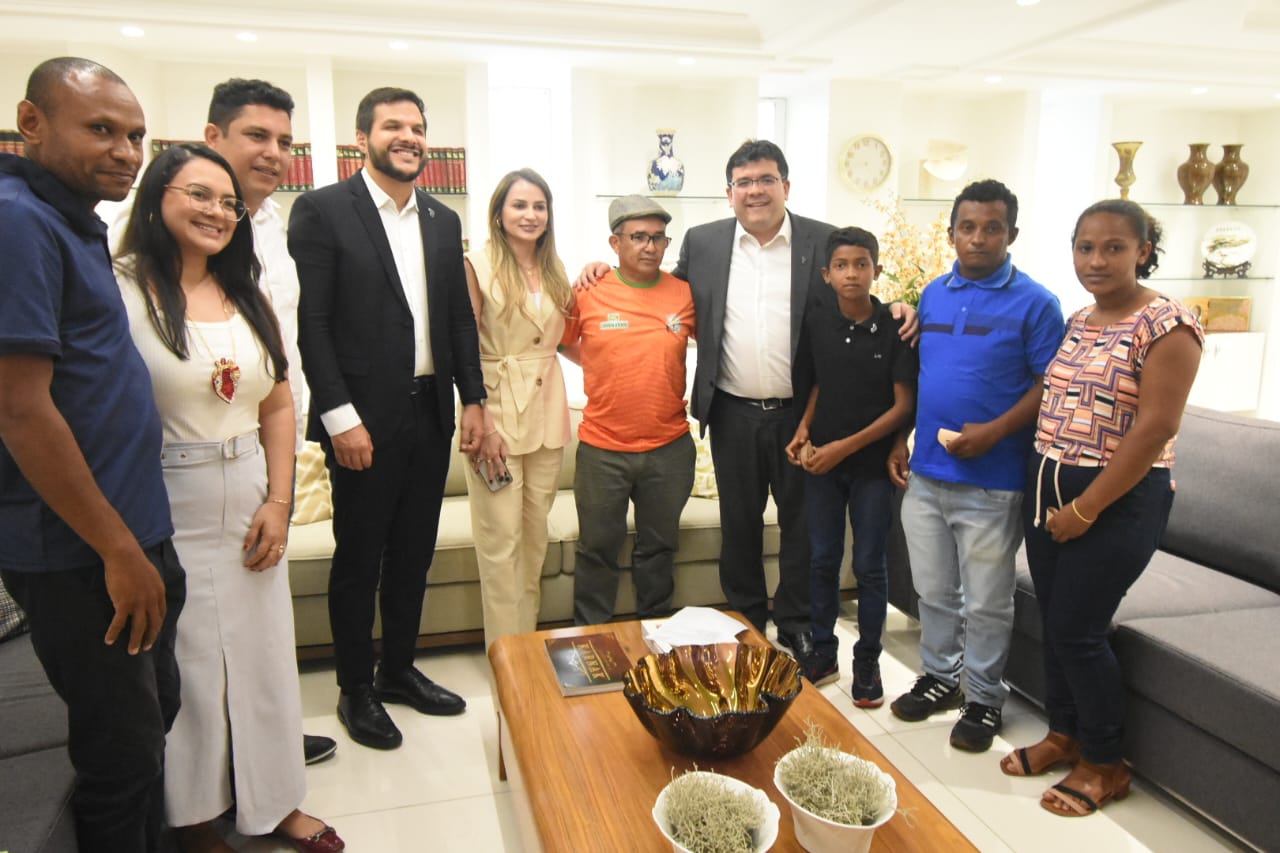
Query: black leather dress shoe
{"points": [[316, 748], [366, 720], [799, 643], [412, 688]]}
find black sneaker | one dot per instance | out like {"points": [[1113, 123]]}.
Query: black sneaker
{"points": [[820, 670], [928, 696], [978, 725], [868, 692]]}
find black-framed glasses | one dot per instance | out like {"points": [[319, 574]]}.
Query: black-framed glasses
{"points": [[767, 182], [202, 199], [640, 239]]}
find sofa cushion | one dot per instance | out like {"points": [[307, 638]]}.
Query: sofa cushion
{"points": [[36, 792], [1170, 586], [312, 494], [13, 620], [34, 717], [1224, 511], [1219, 671]]}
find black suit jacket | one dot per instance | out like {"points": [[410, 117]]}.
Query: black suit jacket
{"points": [[355, 330], [704, 263]]}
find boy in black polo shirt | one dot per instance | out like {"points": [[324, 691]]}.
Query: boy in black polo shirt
{"points": [[864, 391]]}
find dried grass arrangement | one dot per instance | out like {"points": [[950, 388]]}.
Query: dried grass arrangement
{"points": [[707, 814], [822, 780]]}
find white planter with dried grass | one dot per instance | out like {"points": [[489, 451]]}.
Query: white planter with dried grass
{"points": [[837, 800], [702, 812]]}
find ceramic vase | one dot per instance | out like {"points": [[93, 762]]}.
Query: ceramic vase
{"points": [[1125, 177], [818, 835], [666, 171], [1230, 174], [1195, 175]]}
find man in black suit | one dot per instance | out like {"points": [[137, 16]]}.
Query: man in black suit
{"points": [[752, 277], [385, 329]]}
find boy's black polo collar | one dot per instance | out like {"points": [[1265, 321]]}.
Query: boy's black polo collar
{"points": [[876, 324]]}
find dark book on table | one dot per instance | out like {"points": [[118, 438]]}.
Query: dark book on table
{"points": [[590, 664]]}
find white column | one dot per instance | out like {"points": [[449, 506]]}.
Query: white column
{"points": [[320, 112]]}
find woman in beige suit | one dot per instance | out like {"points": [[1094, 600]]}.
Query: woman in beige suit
{"points": [[521, 296]]}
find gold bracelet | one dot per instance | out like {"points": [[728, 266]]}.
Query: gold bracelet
{"points": [[1081, 517], [279, 501]]}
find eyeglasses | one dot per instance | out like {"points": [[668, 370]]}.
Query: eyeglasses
{"points": [[202, 199], [639, 239], [767, 182]]}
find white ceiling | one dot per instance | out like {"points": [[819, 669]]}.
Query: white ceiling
{"points": [[1150, 48]]}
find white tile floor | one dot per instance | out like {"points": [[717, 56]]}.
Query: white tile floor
{"points": [[440, 791]]}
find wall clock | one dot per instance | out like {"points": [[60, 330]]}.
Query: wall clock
{"points": [[865, 163]]}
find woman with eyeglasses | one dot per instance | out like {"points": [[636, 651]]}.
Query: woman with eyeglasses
{"points": [[189, 279], [521, 297]]}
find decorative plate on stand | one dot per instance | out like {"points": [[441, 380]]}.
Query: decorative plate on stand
{"points": [[1228, 248]]}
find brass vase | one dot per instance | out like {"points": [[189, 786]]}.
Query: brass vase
{"points": [[1125, 177], [1230, 174], [1195, 175]]}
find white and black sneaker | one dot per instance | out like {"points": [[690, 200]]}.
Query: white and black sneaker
{"points": [[928, 696], [977, 727]]}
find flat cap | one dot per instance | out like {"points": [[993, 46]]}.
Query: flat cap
{"points": [[634, 207]]}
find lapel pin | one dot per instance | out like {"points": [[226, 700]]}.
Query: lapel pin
{"points": [[431, 212]]}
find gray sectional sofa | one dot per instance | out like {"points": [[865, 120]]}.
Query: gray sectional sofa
{"points": [[35, 771], [1198, 636]]}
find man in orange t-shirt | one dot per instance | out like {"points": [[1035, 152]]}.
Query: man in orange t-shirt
{"points": [[630, 333]]}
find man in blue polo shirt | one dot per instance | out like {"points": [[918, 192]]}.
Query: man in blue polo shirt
{"points": [[83, 513], [987, 334]]}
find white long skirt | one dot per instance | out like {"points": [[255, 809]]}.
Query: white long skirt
{"points": [[238, 735]]}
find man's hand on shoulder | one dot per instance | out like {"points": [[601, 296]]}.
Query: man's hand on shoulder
{"points": [[353, 448], [137, 593], [591, 275], [910, 330]]}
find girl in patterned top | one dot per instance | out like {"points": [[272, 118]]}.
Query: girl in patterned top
{"points": [[1099, 492]]}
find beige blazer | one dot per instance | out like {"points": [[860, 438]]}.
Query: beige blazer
{"points": [[522, 373]]}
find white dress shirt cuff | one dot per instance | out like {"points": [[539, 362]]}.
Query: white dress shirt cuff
{"points": [[339, 420]]}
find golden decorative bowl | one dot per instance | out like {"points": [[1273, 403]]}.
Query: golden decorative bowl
{"points": [[712, 701]]}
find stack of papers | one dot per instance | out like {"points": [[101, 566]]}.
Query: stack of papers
{"points": [[690, 626]]}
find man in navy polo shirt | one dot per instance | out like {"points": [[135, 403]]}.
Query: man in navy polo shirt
{"points": [[987, 334], [83, 513]]}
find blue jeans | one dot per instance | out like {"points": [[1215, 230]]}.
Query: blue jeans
{"points": [[869, 502], [962, 541]]}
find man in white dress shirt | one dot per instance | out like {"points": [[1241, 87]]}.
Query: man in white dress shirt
{"points": [[251, 125]]}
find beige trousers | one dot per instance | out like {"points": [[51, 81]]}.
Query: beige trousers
{"points": [[510, 531]]}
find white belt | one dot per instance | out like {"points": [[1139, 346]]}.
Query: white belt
{"points": [[178, 453]]}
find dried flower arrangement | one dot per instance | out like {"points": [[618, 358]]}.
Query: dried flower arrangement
{"points": [[708, 816], [821, 779], [912, 256]]}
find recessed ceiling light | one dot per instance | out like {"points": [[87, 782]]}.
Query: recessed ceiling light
{"points": [[398, 45], [993, 78], [1028, 2], [132, 31], [1199, 90], [686, 60], [247, 36], [1278, 96]]}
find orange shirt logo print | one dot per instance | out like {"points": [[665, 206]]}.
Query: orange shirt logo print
{"points": [[613, 321], [673, 324]]}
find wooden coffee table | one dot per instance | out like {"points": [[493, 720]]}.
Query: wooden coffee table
{"points": [[585, 772]]}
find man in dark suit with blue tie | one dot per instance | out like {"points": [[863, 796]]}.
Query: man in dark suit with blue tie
{"points": [[385, 328], [752, 277]]}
